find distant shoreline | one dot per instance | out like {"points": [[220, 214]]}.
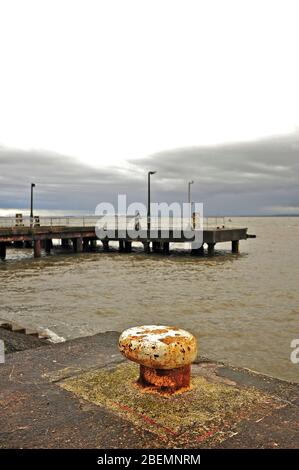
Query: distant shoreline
{"points": [[80, 213]]}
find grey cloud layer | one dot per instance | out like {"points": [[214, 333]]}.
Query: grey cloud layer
{"points": [[61, 182], [249, 177], [243, 178]]}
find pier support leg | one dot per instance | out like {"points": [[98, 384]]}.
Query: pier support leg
{"points": [[85, 244], [157, 247], [147, 248], [128, 247], [211, 249], [37, 249], [165, 247], [93, 245], [65, 243], [2, 251], [121, 246], [48, 246], [78, 245], [235, 246], [105, 245], [198, 251]]}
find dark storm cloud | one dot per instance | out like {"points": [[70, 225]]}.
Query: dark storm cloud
{"points": [[242, 178]]}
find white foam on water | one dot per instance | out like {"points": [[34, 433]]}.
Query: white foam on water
{"points": [[53, 337]]}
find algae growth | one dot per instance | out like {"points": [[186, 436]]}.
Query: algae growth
{"points": [[205, 410]]}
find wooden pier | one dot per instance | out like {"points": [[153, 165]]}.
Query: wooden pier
{"points": [[83, 237]]}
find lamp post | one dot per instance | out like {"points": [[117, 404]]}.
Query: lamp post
{"points": [[31, 203], [149, 200], [189, 191], [189, 198]]}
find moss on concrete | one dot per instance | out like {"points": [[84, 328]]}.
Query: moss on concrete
{"points": [[200, 413]]}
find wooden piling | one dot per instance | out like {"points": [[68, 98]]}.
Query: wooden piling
{"points": [[235, 246], [147, 248], [85, 244], [2, 251], [128, 247], [165, 248], [93, 244], [65, 243], [105, 245], [78, 245], [48, 246], [37, 249], [157, 247], [211, 249]]}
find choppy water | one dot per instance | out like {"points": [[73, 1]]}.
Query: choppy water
{"points": [[244, 308]]}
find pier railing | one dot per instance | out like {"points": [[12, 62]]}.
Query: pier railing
{"points": [[110, 222], [114, 222]]}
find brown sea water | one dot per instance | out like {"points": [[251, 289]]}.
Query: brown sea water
{"points": [[244, 309]]}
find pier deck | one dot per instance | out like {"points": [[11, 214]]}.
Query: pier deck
{"points": [[82, 238], [56, 397]]}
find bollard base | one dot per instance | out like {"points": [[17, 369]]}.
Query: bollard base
{"points": [[165, 381]]}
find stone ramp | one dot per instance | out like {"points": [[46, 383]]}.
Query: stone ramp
{"points": [[81, 394]]}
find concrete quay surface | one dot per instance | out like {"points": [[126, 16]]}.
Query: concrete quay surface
{"points": [[82, 394]]}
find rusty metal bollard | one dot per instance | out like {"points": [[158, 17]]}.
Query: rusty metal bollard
{"points": [[165, 355]]}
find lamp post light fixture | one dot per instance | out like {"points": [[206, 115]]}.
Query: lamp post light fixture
{"points": [[149, 200]]}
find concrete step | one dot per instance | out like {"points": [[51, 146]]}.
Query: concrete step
{"points": [[16, 328]]}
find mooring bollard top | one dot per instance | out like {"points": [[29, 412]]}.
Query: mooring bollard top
{"points": [[158, 347]]}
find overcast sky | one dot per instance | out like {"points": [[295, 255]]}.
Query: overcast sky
{"points": [[95, 93]]}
